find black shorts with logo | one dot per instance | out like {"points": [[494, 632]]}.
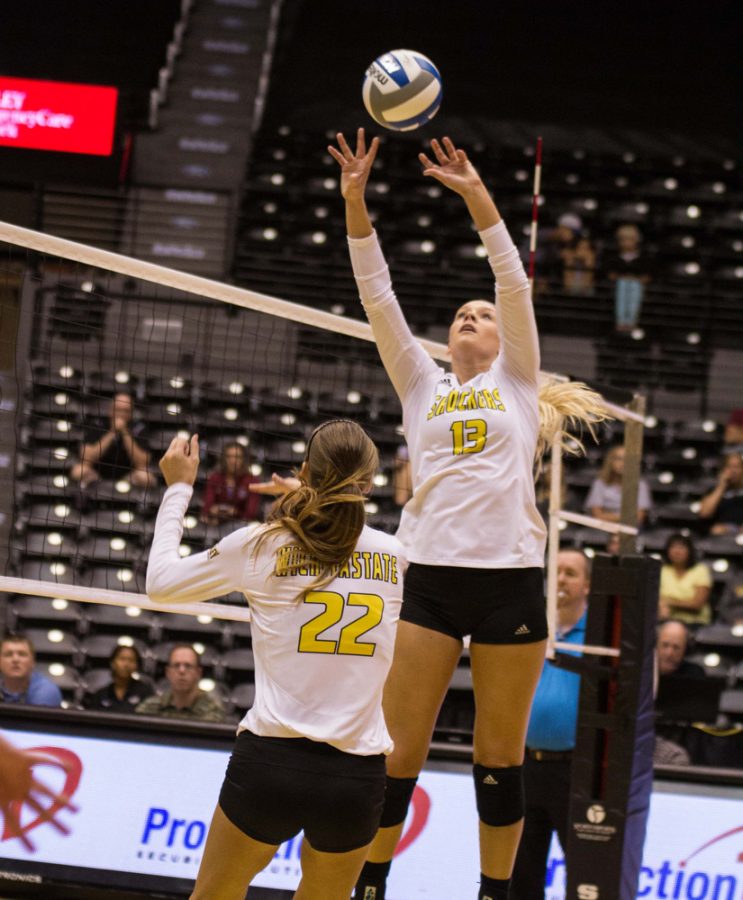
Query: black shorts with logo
{"points": [[493, 606], [277, 787]]}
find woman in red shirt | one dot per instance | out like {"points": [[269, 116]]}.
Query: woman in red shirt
{"points": [[227, 495]]}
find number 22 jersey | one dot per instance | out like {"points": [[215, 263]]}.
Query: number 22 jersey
{"points": [[471, 445], [321, 658]]}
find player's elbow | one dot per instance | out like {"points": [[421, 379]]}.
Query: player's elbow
{"points": [[156, 586]]}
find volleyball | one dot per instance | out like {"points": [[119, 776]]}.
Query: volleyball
{"points": [[402, 90]]}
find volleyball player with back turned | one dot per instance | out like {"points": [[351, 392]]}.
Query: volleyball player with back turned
{"points": [[324, 591], [471, 531]]}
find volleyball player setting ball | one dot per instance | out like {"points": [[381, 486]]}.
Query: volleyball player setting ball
{"points": [[471, 531], [324, 592]]}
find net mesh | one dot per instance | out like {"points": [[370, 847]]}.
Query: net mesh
{"points": [[77, 341]]}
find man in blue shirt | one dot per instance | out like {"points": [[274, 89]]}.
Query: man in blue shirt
{"points": [[551, 736], [19, 683]]}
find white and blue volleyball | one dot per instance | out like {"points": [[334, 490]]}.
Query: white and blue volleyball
{"points": [[402, 90]]}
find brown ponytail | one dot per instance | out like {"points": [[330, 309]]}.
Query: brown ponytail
{"points": [[326, 513]]}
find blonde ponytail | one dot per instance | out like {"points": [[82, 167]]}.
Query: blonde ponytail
{"points": [[565, 406]]}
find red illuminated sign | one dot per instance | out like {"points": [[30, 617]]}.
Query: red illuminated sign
{"points": [[55, 115]]}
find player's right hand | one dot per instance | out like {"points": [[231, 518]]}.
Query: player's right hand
{"points": [[181, 460], [355, 167]]}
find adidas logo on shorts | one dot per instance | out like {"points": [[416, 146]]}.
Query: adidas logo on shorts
{"points": [[522, 629], [488, 779]]}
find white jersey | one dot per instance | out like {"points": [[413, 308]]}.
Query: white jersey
{"points": [[471, 445], [320, 660]]}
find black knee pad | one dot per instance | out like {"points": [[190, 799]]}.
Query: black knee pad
{"points": [[397, 795], [499, 794]]}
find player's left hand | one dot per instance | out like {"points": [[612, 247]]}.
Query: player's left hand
{"points": [[277, 486], [452, 167], [181, 460]]}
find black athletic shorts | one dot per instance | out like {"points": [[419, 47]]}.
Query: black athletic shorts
{"points": [[493, 606], [277, 787]]}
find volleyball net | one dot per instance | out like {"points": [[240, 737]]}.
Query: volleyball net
{"points": [[242, 369]]}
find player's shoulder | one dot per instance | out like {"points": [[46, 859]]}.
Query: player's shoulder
{"points": [[382, 541]]}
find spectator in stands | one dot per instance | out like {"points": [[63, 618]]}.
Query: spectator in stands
{"points": [[227, 496], [19, 682], [723, 506], [579, 265], [401, 477], [551, 736], [685, 584], [734, 431], [604, 500], [126, 690], [115, 448], [631, 271], [567, 256], [184, 699], [731, 602], [673, 642]]}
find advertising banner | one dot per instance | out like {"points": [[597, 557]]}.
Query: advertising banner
{"points": [[57, 116], [145, 809]]}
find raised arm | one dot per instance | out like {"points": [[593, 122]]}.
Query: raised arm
{"points": [[403, 357], [516, 323], [203, 576]]}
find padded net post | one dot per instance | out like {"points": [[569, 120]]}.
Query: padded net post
{"points": [[613, 757]]}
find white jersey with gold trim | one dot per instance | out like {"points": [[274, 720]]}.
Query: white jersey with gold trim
{"points": [[471, 445], [321, 660]]}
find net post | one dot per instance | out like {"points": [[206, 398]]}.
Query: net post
{"points": [[633, 436], [612, 768], [553, 545]]}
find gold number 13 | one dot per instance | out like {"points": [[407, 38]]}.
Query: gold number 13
{"points": [[348, 643], [469, 436]]}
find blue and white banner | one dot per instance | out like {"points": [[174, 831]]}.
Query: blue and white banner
{"points": [[145, 808]]}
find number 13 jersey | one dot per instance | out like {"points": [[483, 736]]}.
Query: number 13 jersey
{"points": [[471, 445]]}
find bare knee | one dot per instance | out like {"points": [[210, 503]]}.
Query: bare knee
{"points": [[83, 472], [142, 478]]}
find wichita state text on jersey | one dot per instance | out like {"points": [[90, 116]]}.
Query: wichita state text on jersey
{"points": [[321, 656], [471, 445]]}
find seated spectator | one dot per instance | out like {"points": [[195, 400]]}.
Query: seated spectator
{"points": [[731, 602], [673, 642], [184, 699], [19, 682], [734, 431], [604, 500], [579, 265], [685, 584], [723, 506], [126, 690], [401, 478], [227, 496], [631, 272], [566, 256], [115, 448]]}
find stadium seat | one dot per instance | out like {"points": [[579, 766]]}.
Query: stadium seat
{"points": [[54, 645], [43, 612], [242, 697]]}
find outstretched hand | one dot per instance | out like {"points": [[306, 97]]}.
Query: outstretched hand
{"points": [[452, 167], [19, 786], [276, 486], [355, 167]]}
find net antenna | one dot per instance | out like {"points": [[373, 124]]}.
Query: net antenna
{"points": [[232, 295]]}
